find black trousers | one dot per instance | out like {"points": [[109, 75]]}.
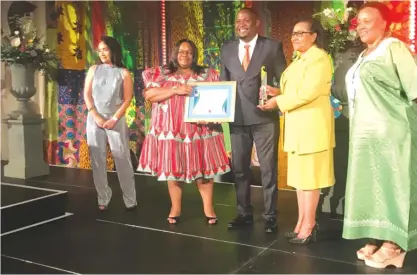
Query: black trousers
{"points": [[265, 136]]}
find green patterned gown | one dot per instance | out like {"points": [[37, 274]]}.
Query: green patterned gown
{"points": [[381, 191]]}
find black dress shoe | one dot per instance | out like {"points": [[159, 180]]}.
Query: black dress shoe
{"points": [[271, 225], [241, 221], [335, 216]]}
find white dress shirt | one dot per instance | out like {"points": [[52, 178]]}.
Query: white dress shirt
{"points": [[242, 49]]}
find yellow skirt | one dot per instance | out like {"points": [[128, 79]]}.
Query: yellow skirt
{"points": [[310, 171]]}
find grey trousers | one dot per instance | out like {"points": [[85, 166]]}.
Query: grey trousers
{"points": [[118, 138]]}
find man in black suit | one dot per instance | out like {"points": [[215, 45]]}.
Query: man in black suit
{"points": [[242, 61]]}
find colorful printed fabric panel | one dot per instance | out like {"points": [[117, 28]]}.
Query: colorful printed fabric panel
{"points": [[71, 149], [337, 107], [72, 116]]}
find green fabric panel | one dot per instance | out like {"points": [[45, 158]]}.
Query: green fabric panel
{"points": [[88, 34], [110, 17], [51, 96], [226, 133], [121, 24], [338, 4]]}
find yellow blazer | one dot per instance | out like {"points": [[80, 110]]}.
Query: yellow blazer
{"points": [[305, 102]]}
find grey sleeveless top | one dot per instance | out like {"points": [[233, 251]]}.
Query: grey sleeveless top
{"points": [[107, 88]]}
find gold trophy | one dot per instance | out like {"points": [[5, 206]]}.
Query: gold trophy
{"points": [[263, 97]]}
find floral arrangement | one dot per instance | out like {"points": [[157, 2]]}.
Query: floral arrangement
{"points": [[340, 27], [341, 30], [24, 47]]}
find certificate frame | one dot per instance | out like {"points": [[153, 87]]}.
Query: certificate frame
{"points": [[206, 102]]}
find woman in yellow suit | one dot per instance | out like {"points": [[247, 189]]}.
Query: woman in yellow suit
{"points": [[308, 124]]}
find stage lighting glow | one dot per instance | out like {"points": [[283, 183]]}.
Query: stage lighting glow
{"points": [[412, 33], [163, 32]]}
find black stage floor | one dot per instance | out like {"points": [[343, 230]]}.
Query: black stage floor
{"points": [[21, 194], [141, 241]]}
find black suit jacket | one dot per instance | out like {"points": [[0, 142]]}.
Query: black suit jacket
{"points": [[268, 53]]}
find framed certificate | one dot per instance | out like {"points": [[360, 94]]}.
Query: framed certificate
{"points": [[211, 102]]}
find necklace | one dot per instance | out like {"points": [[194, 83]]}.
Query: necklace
{"points": [[374, 45]]}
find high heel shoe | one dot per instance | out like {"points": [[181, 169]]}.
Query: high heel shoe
{"points": [[212, 220], [366, 251], [130, 208], [291, 234], [311, 237], [395, 258], [176, 219]]}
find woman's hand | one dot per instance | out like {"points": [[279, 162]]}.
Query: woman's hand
{"points": [[100, 121], [109, 124], [184, 90], [270, 105], [272, 91], [202, 122]]}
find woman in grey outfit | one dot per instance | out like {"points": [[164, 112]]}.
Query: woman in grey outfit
{"points": [[108, 92]]}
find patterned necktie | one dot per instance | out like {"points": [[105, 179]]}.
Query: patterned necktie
{"points": [[246, 58]]}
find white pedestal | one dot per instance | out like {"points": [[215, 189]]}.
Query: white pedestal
{"points": [[25, 148]]}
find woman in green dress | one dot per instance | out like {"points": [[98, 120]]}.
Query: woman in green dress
{"points": [[381, 192]]}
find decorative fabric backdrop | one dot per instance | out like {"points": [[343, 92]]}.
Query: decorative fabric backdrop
{"points": [[219, 19], [75, 28], [185, 21]]}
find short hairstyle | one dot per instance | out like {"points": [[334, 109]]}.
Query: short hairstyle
{"points": [[316, 27], [383, 10], [251, 11], [173, 64]]}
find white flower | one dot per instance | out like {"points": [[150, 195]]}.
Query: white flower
{"points": [[352, 35], [15, 42], [16, 32], [27, 27], [345, 16], [47, 50], [327, 12]]}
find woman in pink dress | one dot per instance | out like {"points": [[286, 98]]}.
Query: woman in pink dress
{"points": [[178, 151]]}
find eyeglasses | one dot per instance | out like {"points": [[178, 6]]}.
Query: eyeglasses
{"points": [[185, 52], [300, 34]]}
